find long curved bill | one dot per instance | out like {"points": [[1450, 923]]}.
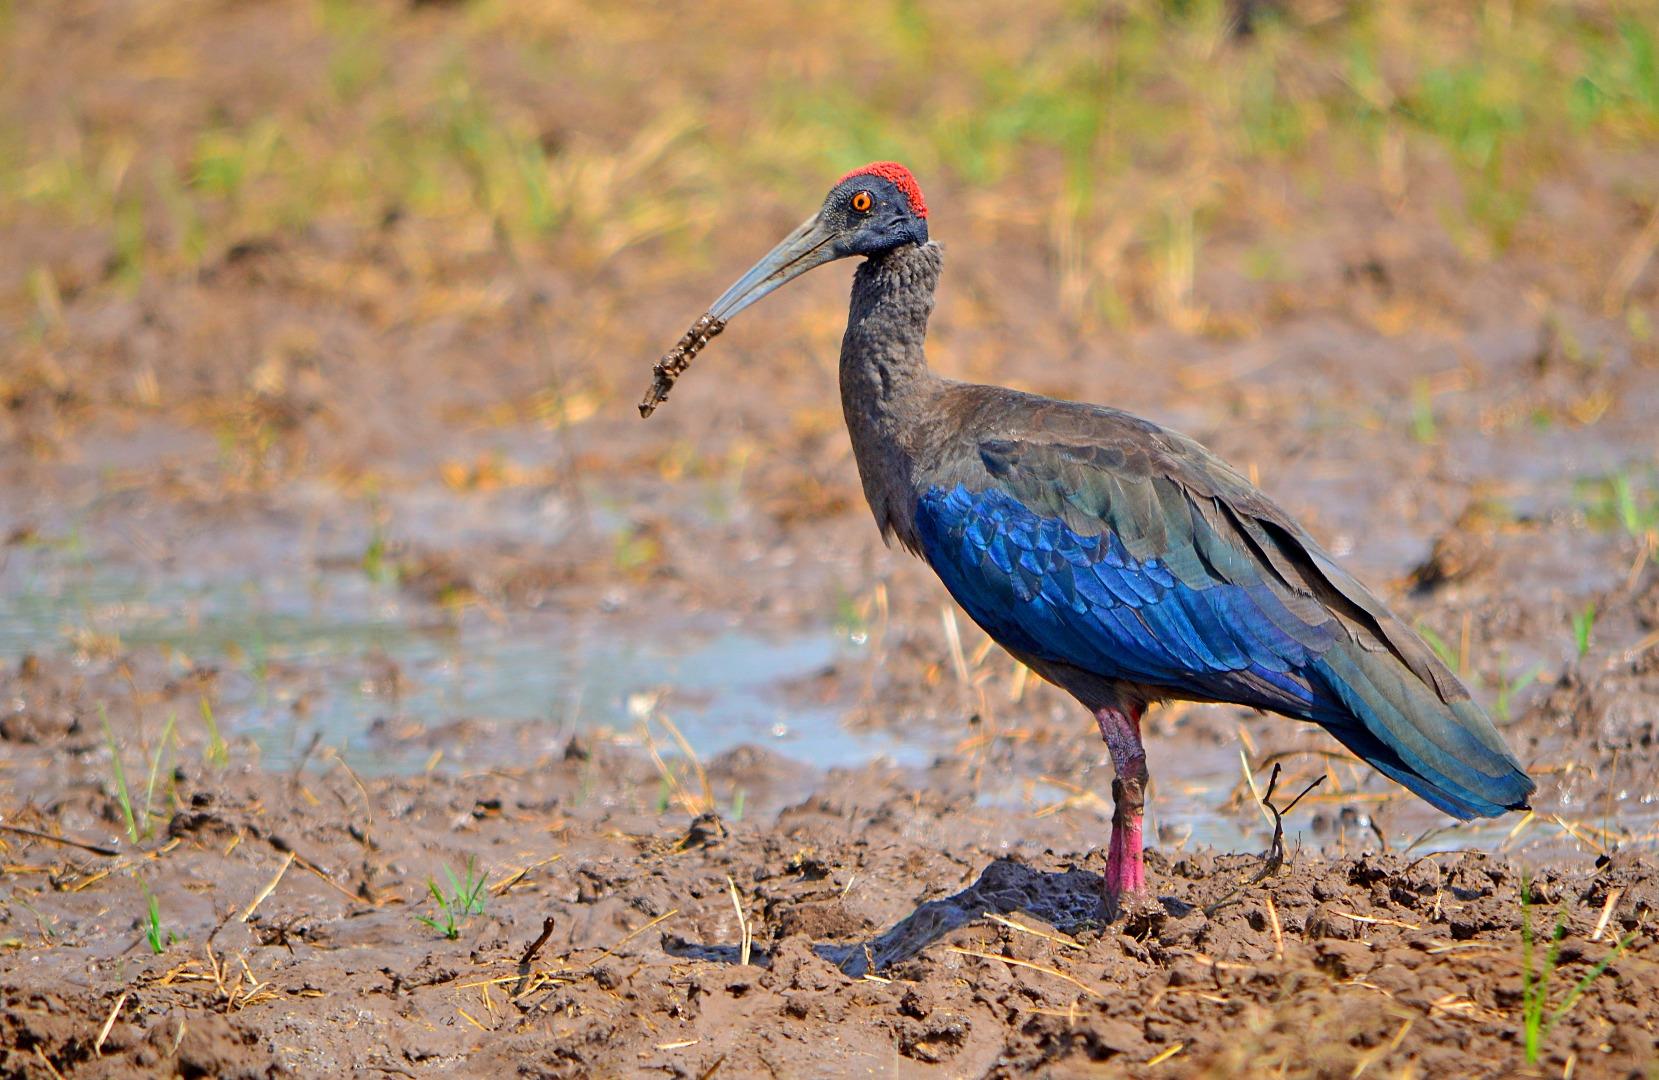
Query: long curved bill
{"points": [[811, 244]]}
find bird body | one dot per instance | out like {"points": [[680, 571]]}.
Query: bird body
{"points": [[1120, 560]]}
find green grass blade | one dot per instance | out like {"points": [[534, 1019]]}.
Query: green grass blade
{"points": [[122, 795], [1589, 977]]}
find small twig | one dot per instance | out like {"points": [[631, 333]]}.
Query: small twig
{"points": [[1275, 859], [305, 755], [535, 946], [1276, 851]]}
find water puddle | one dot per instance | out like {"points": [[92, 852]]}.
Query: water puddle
{"points": [[334, 655]]}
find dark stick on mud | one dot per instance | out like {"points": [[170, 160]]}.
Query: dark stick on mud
{"points": [[1275, 858], [1276, 851], [535, 946], [36, 834], [676, 360], [305, 755], [530, 954]]}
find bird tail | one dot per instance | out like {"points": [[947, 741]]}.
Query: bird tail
{"points": [[1446, 751]]}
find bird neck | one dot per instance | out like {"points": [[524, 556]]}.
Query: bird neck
{"points": [[885, 383]]}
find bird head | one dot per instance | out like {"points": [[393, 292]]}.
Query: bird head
{"points": [[870, 210]]}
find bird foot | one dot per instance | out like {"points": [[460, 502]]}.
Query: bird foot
{"points": [[1125, 876], [1131, 909]]}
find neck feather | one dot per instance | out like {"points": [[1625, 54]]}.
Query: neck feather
{"points": [[885, 383]]}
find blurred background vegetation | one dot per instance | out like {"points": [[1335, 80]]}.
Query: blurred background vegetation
{"points": [[553, 167]]}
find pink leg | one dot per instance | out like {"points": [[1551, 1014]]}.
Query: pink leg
{"points": [[1125, 872]]}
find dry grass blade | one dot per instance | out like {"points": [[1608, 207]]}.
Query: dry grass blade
{"points": [[109, 1022], [1607, 913], [1520, 826], [312, 868], [1375, 920], [1577, 832], [1078, 796], [632, 934], [1278, 930], [270, 887], [1164, 1055], [1015, 961], [509, 880], [1377, 1054], [1033, 931], [1250, 782], [1630, 265], [694, 804], [46, 1061], [747, 934], [953, 639], [708, 804]]}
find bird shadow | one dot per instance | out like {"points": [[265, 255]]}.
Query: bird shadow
{"points": [[1070, 901]]}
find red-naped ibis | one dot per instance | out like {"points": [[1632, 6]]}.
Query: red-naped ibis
{"points": [[1119, 560]]}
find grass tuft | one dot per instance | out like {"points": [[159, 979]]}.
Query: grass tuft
{"points": [[155, 935], [123, 796], [1584, 624], [463, 901], [216, 752], [1537, 1019], [140, 821]]}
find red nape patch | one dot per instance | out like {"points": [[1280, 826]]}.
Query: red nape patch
{"points": [[899, 177]]}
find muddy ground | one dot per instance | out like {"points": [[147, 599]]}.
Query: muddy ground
{"points": [[892, 926], [274, 466]]}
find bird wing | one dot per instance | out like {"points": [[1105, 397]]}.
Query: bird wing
{"points": [[1092, 539]]}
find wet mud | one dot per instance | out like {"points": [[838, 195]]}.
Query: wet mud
{"points": [[873, 925]]}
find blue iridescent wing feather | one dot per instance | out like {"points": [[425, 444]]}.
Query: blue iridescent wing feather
{"points": [[1166, 570]]}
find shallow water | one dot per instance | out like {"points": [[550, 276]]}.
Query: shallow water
{"points": [[363, 668]]}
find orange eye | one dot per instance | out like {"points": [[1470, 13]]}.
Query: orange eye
{"points": [[863, 201]]}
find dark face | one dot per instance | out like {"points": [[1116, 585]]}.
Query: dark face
{"points": [[872, 210], [869, 215]]}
